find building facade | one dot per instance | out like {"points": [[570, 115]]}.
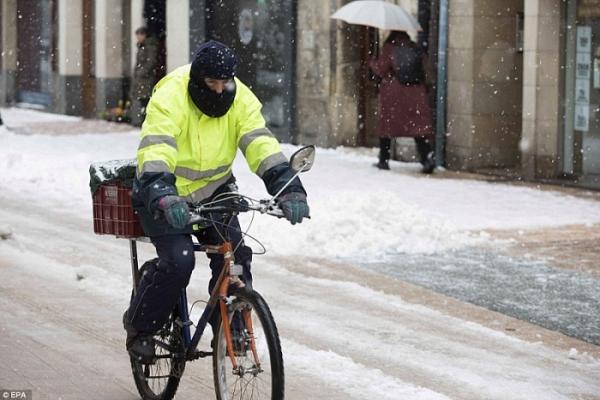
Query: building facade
{"points": [[522, 82], [524, 88]]}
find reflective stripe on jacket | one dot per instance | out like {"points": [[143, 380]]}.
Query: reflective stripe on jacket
{"points": [[178, 138]]}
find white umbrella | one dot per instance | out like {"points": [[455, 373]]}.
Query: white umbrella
{"points": [[378, 14]]}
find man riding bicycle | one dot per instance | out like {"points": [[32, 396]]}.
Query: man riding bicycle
{"points": [[197, 118]]}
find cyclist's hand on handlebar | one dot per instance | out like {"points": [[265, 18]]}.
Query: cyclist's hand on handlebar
{"points": [[294, 207], [176, 211]]}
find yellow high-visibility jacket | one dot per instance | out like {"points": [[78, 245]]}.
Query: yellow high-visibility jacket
{"points": [[187, 153], [199, 150]]}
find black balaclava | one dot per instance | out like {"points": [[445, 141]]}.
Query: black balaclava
{"points": [[212, 60]]}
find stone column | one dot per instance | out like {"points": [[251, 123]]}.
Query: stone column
{"points": [[67, 97], [313, 72], [484, 84], [541, 88], [9, 52], [137, 20], [178, 34], [109, 34]]}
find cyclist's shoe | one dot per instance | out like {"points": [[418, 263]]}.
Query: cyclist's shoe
{"points": [[141, 348], [139, 345]]}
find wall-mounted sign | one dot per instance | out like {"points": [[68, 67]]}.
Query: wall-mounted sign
{"points": [[583, 75], [582, 117], [583, 67], [584, 39], [582, 91]]}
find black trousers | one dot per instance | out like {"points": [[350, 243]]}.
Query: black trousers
{"points": [[161, 284], [424, 147]]}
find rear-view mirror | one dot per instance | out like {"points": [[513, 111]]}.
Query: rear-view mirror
{"points": [[303, 159]]}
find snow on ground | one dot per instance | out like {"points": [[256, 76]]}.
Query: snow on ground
{"points": [[357, 211]]}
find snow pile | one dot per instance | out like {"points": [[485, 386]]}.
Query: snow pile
{"points": [[360, 227]]}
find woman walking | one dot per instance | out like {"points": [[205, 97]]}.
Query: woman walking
{"points": [[404, 109]]}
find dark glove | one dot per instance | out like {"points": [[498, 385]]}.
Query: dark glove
{"points": [[176, 210], [294, 206]]}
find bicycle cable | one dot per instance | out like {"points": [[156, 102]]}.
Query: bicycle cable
{"points": [[192, 308], [243, 233]]}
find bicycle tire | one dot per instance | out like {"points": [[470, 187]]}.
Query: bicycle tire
{"points": [[267, 340], [171, 333]]}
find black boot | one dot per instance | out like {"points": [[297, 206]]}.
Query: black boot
{"points": [[429, 164], [384, 153], [426, 155], [140, 346], [382, 165]]}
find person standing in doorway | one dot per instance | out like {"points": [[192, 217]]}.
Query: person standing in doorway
{"points": [[145, 71], [404, 109]]}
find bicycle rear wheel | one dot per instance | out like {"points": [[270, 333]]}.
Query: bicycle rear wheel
{"points": [[159, 381], [264, 381]]}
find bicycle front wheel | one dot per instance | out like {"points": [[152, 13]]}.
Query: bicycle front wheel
{"points": [[259, 373]]}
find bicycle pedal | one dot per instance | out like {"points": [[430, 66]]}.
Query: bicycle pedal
{"points": [[200, 354], [181, 324]]}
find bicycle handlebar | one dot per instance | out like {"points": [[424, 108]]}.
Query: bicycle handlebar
{"points": [[200, 212]]}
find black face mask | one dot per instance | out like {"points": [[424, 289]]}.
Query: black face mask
{"points": [[211, 103]]}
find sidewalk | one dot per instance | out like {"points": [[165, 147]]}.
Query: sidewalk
{"points": [[573, 247], [19, 121]]}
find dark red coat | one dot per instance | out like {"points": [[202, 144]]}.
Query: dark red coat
{"points": [[404, 111]]}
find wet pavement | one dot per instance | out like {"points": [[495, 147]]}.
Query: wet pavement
{"points": [[555, 298]]}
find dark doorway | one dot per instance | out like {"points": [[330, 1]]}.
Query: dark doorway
{"points": [[88, 76], [262, 34], [35, 44], [367, 89], [155, 17]]}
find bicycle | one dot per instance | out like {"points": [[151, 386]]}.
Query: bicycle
{"points": [[247, 358]]}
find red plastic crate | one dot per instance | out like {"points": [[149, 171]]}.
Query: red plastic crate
{"points": [[113, 213]]}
